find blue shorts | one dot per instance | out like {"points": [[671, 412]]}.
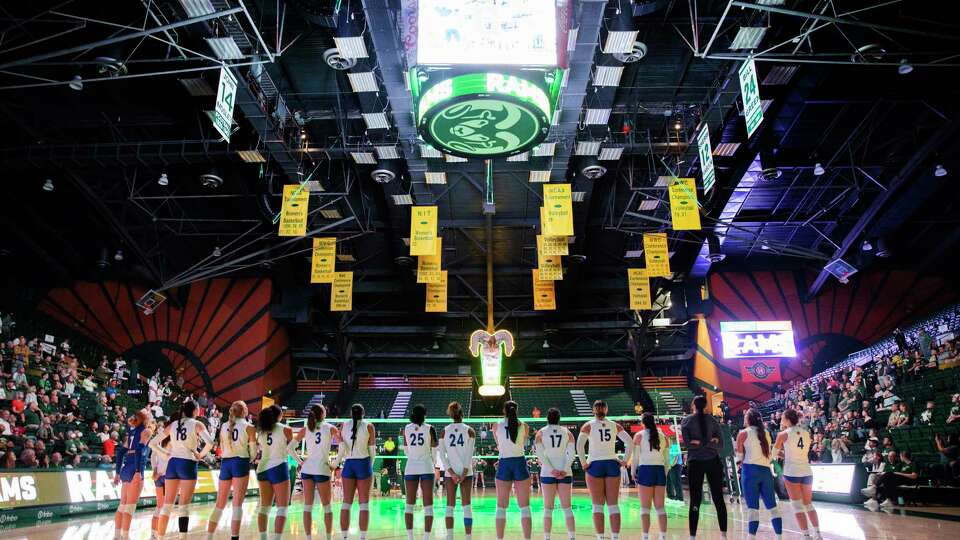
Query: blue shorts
{"points": [[651, 475], [805, 480], [275, 475], [315, 478], [128, 470], [549, 480], [234, 467], [357, 469], [181, 469], [159, 482], [604, 468], [418, 477], [756, 482], [512, 469]]}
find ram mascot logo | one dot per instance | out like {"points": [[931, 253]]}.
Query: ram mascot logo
{"points": [[490, 348], [485, 127]]}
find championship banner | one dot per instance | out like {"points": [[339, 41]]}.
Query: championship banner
{"points": [[544, 297], [656, 254], [550, 266], [428, 266], [423, 230], [760, 370], [683, 204], [558, 210], [323, 260], [639, 285], [552, 245], [437, 295], [293, 213], [341, 294]]}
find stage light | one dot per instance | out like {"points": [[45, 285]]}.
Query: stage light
{"points": [[163, 180], [48, 185], [118, 256], [818, 169], [866, 246], [217, 252], [940, 171]]}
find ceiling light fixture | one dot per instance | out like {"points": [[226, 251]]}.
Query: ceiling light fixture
{"points": [[76, 83], [118, 256], [48, 185], [939, 171], [866, 246], [905, 68], [818, 169], [217, 252], [163, 180], [546, 344], [435, 345]]}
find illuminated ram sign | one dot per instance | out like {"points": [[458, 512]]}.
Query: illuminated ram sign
{"points": [[757, 339]]}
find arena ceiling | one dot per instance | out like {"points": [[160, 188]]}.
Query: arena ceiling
{"points": [[864, 89]]}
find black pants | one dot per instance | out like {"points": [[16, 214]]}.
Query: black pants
{"points": [[888, 483], [713, 470]]}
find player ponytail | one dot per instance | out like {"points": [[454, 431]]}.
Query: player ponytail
{"points": [[753, 419], [356, 414], [418, 414], [513, 423], [188, 409], [652, 434], [700, 404], [316, 415], [553, 416], [455, 411]]}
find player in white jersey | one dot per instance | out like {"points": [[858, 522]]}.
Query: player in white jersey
{"points": [[238, 444], [602, 467], [419, 442], [180, 479], [318, 436], [358, 448], [275, 441], [511, 436], [457, 444], [556, 449], [793, 442], [756, 479], [651, 459], [158, 463]]}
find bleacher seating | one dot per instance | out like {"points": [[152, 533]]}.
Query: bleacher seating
{"points": [[310, 392], [670, 395], [393, 396], [572, 394]]}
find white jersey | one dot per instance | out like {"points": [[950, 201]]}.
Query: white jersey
{"points": [[318, 444], [418, 446], [273, 448], [556, 452], [796, 461], [507, 448], [158, 460], [644, 455], [458, 445], [602, 440], [355, 449], [234, 441], [183, 439], [753, 453]]}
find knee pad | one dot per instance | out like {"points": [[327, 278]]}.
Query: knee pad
{"points": [[644, 511], [614, 509], [237, 513], [468, 515], [281, 511], [408, 509], [809, 508], [501, 513], [263, 510], [525, 512], [363, 507], [775, 512], [598, 509], [328, 509], [165, 511], [215, 515], [798, 507], [428, 510], [661, 510], [568, 512], [753, 514]]}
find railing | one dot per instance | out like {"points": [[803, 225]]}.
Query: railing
{"points": [[561, 381], [665, 382], [393, 383]]}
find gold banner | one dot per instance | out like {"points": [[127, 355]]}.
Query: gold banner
{"points": [[683, 204], [266, 401], [437, 295], [341, 294], [553, 245], [639, 285], [544, 296], [550, 266], [558, 210], [323, 262], [293, 213], [423, 230], [656, 253], [428, 266]]}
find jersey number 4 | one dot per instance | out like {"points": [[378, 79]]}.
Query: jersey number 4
{"points": [[800, 443]]}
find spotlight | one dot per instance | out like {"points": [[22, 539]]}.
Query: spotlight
{"points": [[211, 179], [546, 344], [818, 169], [102, 262], [866, 246], [768, 166], [939, 171], [216, 251], [163, 180], [48, 185], [904, 68], [590, 168], [764, 246], [714, 254], [883, 248], [118, 256], [76, 83]]}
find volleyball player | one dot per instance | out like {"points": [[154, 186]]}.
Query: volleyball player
{"points": [[238, 444], [419, 441], [275, 441], [318, 436], [356, 453], [701, 431], [651, 457], [756, 479], [131, 463], [180, 479], [603, 466], [457, 444], [793, 442], [511, 436], [555, 449], [158, 462]]}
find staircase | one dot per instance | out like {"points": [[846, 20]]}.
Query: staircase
{"points": [[317, 399], [673, 406], [580, 401], [399, 408]]}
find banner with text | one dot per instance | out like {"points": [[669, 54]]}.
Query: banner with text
{"points": [[323, 261], [544, 297], [760, 370], [683, 204], [428, 266], [437, 295], [423, 230], [558, 210], [550, 266], [656, 254], [639, 285], [341, 294], [293, 213], [553, 245]]}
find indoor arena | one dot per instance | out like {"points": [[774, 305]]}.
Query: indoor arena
{"points": [[479, 270]]}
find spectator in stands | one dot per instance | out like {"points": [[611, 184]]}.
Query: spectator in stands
{"points": [[897, 418], [926, 417], [948, 470], [28, 459], [110, 445], [954, 415], [56, 460], [9, 460], [904, 473]]}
